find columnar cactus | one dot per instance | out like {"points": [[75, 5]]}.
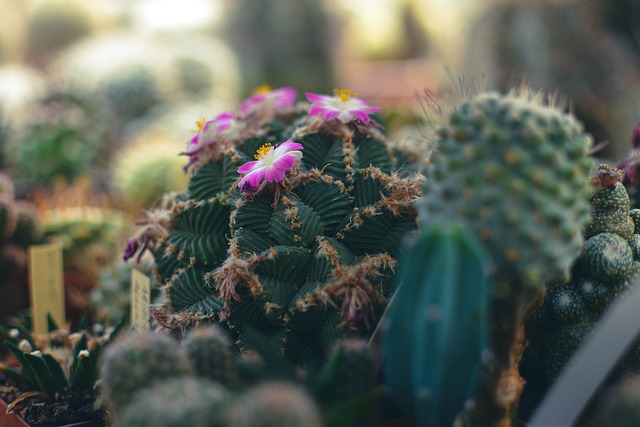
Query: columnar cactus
{"points": [[515, 171], [304, 246], [138, 361]]}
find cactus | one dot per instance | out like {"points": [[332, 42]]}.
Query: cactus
{"points": [[274, 404], [309, 258], [138, 361], [491, 172], [211, 355], [438, 325], [604, 270], [176, 402]]}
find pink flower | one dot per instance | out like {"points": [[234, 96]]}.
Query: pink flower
{"points": [[278, 99], [343, 106], [270, 165], [207, 132]]}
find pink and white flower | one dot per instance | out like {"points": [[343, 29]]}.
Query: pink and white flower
{"points": [[278, 99], [343, 105], [207, 132], [270, 165]]}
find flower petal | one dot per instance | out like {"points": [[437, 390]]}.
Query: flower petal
{"points": [[256, 176], [360, 115], [316, 98], [286, 161], [248, 167], [287, 146]]}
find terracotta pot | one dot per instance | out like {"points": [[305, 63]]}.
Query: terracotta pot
{"points": [[13, 420]]}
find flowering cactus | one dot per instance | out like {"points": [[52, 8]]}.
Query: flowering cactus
{"points": [[291, 225]]}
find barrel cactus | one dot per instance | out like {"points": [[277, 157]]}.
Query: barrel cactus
{"points": [[210, 353], [303, 247], [514, 170]]}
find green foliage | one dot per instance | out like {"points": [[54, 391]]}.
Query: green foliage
{"points": [[437, 325]]}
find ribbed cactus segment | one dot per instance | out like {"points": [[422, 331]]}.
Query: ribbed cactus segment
{"points": [[438, 325], [517, 172], [274, 404], [210, 352], [176, 402], [138, 361]]}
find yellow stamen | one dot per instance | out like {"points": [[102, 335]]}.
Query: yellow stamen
{"points": [[262, 151], [344, 94], [200, 124], [263, 89]]}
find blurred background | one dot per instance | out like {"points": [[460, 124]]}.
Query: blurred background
{"points": [[97, 99]]}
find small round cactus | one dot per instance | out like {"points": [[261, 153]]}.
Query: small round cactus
{"points": [[274, 405], [210, 352], [176, 402], [137, 361], [358, 368]]}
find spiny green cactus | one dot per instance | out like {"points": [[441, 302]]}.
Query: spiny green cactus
{"points": [[303, 261], [514, 170], [274, 404], [604, 270], [211, 354], [138, 361], [176, 402]]}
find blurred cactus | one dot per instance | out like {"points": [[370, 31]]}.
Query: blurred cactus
{"points": [[621, 407], [561, 46], [138, 361], [176, 402], [491, 173], [53, 26], [308, 260], [267, 34], [274, 405], [146, 169], [210, 352]]}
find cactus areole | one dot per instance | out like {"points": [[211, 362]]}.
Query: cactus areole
{"points": [[291, 224]]}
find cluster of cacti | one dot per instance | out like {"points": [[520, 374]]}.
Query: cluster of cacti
{"points": [[606, 268], [514, 173], [141, 387], [60, 363], [304, 258]]}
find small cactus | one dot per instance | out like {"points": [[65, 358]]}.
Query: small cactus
{"points": [[274, 404], [211, 354], [138, 361], [176, 402], [621, 407]]}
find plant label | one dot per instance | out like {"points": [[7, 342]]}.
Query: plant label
{"points": [[46, 286], [140, 300]]}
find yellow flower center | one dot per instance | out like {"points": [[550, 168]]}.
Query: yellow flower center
{"points": [[262, 151], [344, 94], [263, 89], [200, 124]]}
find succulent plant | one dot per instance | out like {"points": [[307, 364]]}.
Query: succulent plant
{"points": [[176, 402], [491, 174], [138, 361], [303, 260], [604, 271], [211, 353], [274, 404], [620, 407]]}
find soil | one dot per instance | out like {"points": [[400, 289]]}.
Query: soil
{"points": [[72, 406]]}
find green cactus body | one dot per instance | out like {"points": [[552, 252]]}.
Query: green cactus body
{"points": [[438, 325], [304, 261], [176, 402], [493, 171], [274, 404], [139, 361], [358, 369], [211, 355]]}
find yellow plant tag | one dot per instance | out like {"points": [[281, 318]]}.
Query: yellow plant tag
{"points": [[46, 286], [140, 300]]}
